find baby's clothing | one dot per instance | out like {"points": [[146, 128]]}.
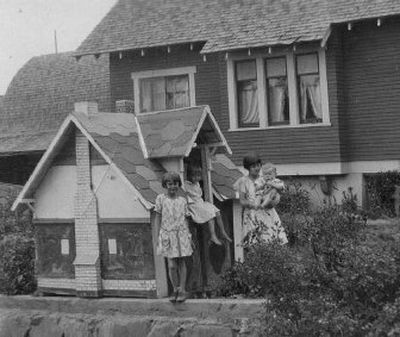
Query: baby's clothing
{"points": [[174, 239], [201, 211], [267, 188]]}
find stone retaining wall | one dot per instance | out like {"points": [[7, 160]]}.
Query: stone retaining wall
{"points": [[26, 316]]}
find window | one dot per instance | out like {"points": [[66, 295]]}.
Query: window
{"points": [[309, 88], [165, 89], [277, 88], [286, 89], [246, 84]]}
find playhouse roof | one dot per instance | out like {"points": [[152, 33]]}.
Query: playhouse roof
{"points": [[225, 24], [117, 137], [43, 93], [173, 133]]}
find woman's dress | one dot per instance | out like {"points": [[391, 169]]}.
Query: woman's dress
{"points": [[265, 221]]}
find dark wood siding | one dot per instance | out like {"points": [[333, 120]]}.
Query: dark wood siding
{"points": [[282, 146], [372, 88], [206, 78]]}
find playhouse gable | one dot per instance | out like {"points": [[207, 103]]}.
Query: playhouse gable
{"points": [[173, 133]]}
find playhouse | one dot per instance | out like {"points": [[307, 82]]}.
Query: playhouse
{"points": [[93, 191]]}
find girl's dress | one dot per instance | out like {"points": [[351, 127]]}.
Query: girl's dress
{"points": [[201, 211], [253, 219], [174, 239]]}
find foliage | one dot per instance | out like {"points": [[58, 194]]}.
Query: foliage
{"points": [[331, 282], [294, 199], [17, 264], [380, 189], [294, 208], [17, 252]]}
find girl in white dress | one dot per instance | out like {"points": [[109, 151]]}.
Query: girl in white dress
{"points": [[174, 238], [202, 211]]}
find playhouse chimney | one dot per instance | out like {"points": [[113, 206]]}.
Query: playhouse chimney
{"points": [[88, 108], [125, 106]]}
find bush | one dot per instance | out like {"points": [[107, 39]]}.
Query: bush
{"points": [[17, 268], [333, 282], [294, 209], [17, 250], [267, 269], [380, 188]]}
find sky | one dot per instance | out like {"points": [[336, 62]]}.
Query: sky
{"points": [[27, 29]]}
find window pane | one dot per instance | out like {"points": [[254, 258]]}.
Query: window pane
{"points": [[247, 103], [177, 92], [307, 64], [278, 101], [246, 70], [310, 99], [276, 67], [152, 94]]}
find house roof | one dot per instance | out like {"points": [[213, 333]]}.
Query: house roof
{"points": [[117, 137], [173, 133], [43, 93], [225, 24]]}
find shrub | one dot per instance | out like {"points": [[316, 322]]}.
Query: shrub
{"points": [[17, 268], [294, 209], [268, 268], [17, 252], [334, 282], [380, 188]]}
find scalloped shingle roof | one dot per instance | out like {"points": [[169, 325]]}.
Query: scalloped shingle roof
{"points": [[225, 24], [43, 93]]}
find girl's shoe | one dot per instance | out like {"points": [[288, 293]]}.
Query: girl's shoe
{"points": [[174, 296], [182, 296]]}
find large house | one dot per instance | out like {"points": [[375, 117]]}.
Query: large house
{"points": [[313, 86]]}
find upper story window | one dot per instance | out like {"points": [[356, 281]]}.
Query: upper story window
{"points": [[164, 89], [287, 89], [309, 88], [277, 89], [246, 86]]}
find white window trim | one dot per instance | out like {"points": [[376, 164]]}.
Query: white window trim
{"points": [[137, 76], [262, 92]]}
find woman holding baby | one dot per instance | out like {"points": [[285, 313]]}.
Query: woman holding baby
{"points": [[259, 194]]}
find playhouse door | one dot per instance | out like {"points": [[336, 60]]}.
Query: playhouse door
{"points": [[209, 260]]}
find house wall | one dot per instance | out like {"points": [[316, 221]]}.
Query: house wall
{"points": [[298, 144], [372, 91]]}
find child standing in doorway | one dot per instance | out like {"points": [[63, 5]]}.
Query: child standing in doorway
{"points": [[174, 238], [202, 211]]}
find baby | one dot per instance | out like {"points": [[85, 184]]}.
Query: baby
{"points": [[268, 187]]}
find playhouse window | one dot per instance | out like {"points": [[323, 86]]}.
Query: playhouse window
{"points": [[285, 89], [166, 89]]}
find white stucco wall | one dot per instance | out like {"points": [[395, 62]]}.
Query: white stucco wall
{"points": [[115, 198], [340, 184], [54, 197]]}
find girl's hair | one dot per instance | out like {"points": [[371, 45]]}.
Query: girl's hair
{"points": [[172, 177], [191, 168], [250, 160]]}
